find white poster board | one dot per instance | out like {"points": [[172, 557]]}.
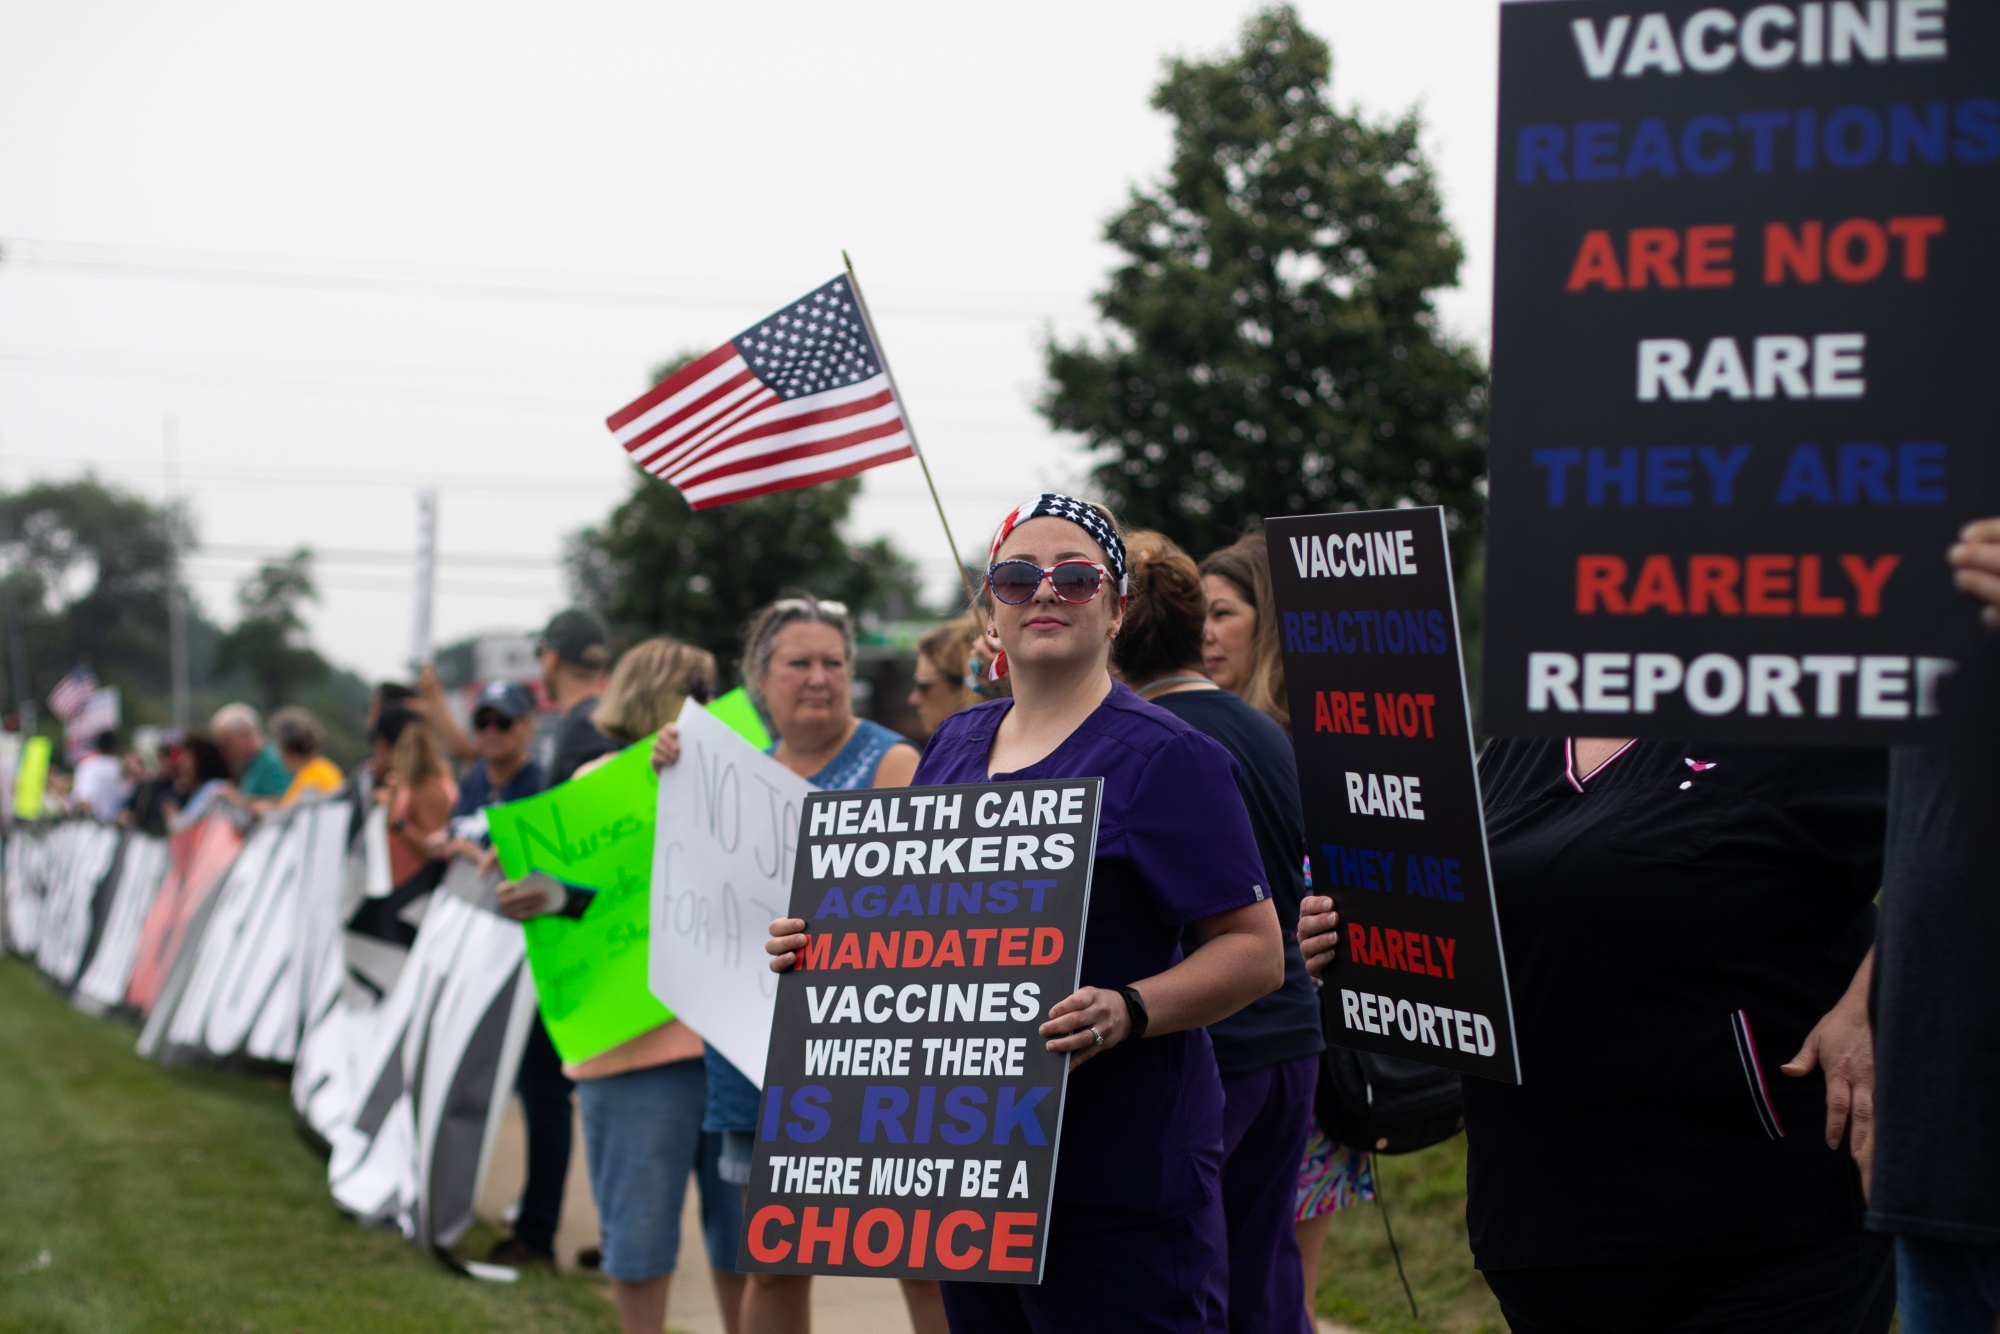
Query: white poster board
{"points": [[723, 850]]}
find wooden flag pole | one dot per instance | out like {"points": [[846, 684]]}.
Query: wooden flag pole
{"points": [[971, 594]]}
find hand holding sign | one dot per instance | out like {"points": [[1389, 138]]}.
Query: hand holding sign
{"points": [[913, 1097]]}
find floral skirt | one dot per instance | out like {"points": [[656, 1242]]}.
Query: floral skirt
{"points": [[1331, 1177]]}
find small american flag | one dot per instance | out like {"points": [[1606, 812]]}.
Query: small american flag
{"points": [[798, 398], [73, 692]]}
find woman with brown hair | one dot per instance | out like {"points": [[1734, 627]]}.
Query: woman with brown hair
{"points": [[1240, 651], [417, 788], [1239, 641], [1268, 1051]]}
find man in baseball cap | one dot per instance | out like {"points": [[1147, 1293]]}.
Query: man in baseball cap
{"points": [[575, 653]]}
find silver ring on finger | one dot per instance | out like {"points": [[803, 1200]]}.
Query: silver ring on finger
{"points": [[1096, 1038]]}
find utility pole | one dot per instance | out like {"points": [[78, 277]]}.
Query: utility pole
{"points": [[17, 650], [425, 579], [177, 649]]}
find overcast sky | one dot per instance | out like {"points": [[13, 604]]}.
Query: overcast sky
{"points": [[353, 250]]}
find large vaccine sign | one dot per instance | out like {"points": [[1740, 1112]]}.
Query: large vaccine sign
{"points": [[911, 1110], [1743, 345], [1376, 682]]}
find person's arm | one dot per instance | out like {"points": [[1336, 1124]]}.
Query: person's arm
{"points": [[429, 811], [1975, 560], [1240, 958], [1843, 1045], [897, 768], [436, 710]]}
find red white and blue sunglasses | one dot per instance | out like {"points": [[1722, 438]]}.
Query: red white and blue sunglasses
{"points": [[1074, 581]]}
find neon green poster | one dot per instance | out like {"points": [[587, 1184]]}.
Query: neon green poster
{"points": [[735, 711], [33, 777], [595, 831]]}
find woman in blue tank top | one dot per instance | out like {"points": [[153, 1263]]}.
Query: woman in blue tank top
{"points": [[797, 660]]}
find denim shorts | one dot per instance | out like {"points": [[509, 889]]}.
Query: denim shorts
{"points": [[643, 1137]]}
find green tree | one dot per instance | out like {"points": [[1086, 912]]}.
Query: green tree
{"points": [[657, 565], [1274, 345], [268, 643], [87, 572]]}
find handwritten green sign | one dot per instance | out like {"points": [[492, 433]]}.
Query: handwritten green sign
{"points": [[595, 831]]}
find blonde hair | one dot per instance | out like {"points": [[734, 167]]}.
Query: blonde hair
{"points": [[1246, 563], [415, 759], [649, 685], [948, 647]]}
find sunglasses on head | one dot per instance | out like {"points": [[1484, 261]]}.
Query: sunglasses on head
{"points": [[1016, 581]]}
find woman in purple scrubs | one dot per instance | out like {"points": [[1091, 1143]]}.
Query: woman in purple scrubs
{"points": [[1136, 1223]]}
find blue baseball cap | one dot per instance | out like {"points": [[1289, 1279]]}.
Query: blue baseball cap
{"points": [[509, 699]]}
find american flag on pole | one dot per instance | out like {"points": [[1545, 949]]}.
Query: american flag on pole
{"points": [[73, 692], [798, 398]]}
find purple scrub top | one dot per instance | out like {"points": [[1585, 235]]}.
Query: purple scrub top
{"points": [[1142, 1132]]}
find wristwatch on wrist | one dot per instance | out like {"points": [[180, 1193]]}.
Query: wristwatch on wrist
{"points": [[1135, 1009]]}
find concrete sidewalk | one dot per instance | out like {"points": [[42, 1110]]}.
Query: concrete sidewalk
{"points": [[840, 1305]]}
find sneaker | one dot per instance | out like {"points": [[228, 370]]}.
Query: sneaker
{"points": [[513, 1251]]}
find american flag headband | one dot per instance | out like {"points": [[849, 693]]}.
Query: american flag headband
{"points": [[1051, 505]]}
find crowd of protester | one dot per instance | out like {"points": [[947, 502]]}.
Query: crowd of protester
{"points": [[165, 780], [1676, 915]]}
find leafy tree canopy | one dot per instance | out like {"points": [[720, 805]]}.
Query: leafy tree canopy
{"points": [[657, 566], [1274, 346], [88, 569], [268, 644]]}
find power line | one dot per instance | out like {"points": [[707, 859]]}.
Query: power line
{"points": [[279, 477], [237, 268], [374, 556]]}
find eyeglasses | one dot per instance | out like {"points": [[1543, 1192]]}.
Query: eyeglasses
{"points": [[1074, 581], [827, 605], [491, 722]]}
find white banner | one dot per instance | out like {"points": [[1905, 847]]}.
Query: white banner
{"points": [[727, 836]]}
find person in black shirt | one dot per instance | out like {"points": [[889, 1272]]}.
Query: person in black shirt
{"points": [[1677, 919], [1936, 1168], [574, 653], [1268, 1052]]}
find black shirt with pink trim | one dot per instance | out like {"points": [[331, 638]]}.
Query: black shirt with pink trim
{"points": [[1675, 923]]}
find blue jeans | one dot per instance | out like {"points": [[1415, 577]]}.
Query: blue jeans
{"points": [[642, 1130], [1946, 1288]]}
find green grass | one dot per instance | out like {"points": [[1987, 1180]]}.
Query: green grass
{"points": [[1426, 1201], [183, 1200]]}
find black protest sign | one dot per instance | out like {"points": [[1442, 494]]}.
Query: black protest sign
{"points": [[1742, 346], [911, 1112], [1376, 685]]}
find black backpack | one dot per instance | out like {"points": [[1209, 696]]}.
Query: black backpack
{"points": [[1383, 1104]]}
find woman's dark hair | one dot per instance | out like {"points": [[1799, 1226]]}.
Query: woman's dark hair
{"points": [[1163, 611], [207, 759], [390, 726]]}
